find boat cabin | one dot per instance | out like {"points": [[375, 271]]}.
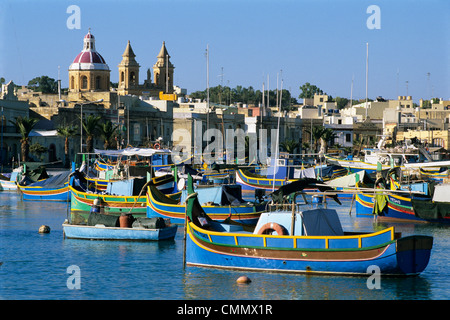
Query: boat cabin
{"points": [[315, 222], [374, 156]]}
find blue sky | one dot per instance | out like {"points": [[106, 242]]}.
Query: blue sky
{"points": [[322, 42]]}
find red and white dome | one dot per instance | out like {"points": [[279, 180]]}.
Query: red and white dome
{"points": [[89, 58]]}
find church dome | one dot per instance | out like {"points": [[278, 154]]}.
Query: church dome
{"points": [[89, 58]]}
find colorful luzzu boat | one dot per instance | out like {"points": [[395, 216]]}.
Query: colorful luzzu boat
{"points": [[125, 197], [222, 202], [284, 173], [293, 241], [396, 205], [54, 188]]}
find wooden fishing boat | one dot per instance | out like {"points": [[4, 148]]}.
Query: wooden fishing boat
{"points": [[124, 197], [398, 205], [137, 232], [222, 202], [284, 175], [54, 188], [8, 181], [437, 175], [300, 241]]}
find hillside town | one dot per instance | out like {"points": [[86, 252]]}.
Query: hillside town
{"points": [[145, 107]]}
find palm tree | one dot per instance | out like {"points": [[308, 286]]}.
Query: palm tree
{"points": [[328, 135], [66, 132], [107, 131], [24, 125], [316, 133], [289, 145], [90, 126]]}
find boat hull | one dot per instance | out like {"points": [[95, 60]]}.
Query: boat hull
{"points": [[246, 214], [252, 183], [45, 194], [398, 208], [7, 185], [112, 233], [82, 201], [348, 255]]}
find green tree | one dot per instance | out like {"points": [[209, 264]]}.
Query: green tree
{"points": [[289, 146], [107, 131], [38, 150], [91, 128], [24, 125], [328, 136], [66, 132], [316, 133], [43, 84], [250, 96], [308, 91]]}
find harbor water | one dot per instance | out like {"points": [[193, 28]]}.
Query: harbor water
{"points": [[41, 266]]}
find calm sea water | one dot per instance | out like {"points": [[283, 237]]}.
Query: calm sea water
{"points": [[35, 266]]}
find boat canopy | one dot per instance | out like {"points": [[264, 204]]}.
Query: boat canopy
{"points": [[143, 152], [225, 195], [56, 181]]}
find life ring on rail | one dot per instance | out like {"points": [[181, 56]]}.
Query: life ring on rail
{"points": [[272, 226], [157, 146]]}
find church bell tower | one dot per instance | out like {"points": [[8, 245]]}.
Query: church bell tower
{"points": [[128, 73], [163, 71]]}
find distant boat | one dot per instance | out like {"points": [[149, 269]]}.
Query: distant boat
{"points": [[136, 157], [284, 173], [307, 241], [54, 188], [221, 202], [8, 181], [402, 205], [409, 158], [127, 196]]}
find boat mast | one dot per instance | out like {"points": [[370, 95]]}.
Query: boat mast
{"points": [[278, 138], [367, 72], [207, 91]]}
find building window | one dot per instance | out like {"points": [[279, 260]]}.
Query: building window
{"points": [[97, 82], [136, 132], [132, 78], [84, 82], [348, 137], [122, 76], [72, 82]]}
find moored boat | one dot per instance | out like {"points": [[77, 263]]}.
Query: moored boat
{"points": [[401, 205], [220, 203], [283, 173], [301, 241], [54, 188], [127, 196], [8, 181], [149, 230]]}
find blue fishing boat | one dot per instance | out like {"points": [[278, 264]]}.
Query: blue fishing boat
{"points": [[398, 205], [300, 241], [283, 172], [220, 203], [109, 228], [8, 181], [54, 188]]}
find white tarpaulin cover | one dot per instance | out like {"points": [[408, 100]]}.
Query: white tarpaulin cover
{"points": [[441, 192], [346, 181], [143, 152]]}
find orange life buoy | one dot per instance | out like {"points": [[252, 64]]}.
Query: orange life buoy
{"points": [[272, 226], [156, 146]]}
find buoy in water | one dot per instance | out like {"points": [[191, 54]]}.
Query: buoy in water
{"points": [[244, 280], [44, 229]]}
